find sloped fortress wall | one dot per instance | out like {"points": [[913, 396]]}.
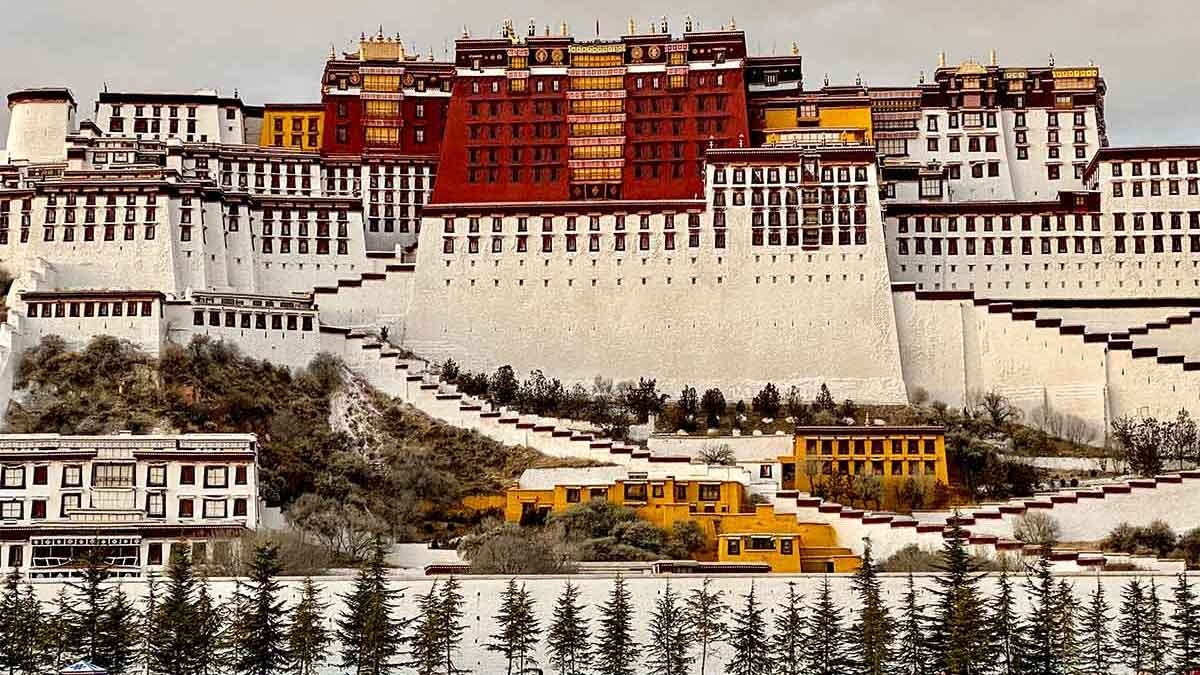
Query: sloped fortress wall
{"points": [[696, 293]]}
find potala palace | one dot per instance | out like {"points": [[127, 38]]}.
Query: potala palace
{"points": [[661, 204]]}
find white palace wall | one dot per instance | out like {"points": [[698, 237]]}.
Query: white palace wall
{"points": [[733, 318]]}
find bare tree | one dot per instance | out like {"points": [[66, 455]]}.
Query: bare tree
{"points": [[1037, 527]]}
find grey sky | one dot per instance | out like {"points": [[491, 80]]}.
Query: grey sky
{"points": [[273, 50]]}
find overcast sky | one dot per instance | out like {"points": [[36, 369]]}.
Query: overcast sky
{"points": [[273, 50]]}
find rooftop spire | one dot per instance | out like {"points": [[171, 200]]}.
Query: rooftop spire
{"points": [[632, 29]]}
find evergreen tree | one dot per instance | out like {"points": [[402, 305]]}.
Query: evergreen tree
{"points": [[424, 651], [669, 651], [1131, 632], [517, 629], [1067, 648], [828, 649], [118, 651], [234, 609], [787, 641], [56, 639], [1005, 627], [1038, 655], [260, 631], [1185, 626], [175, 620], [958, 637], [21, 627], [85, 616], [914, 656], [875, 629], [567, 638], [368, 634], [616, 651], [206, 640], [450, 617], [308, 637], [1158, 646], [747, 638], [706, 613], [1096, 643], [150, 629]]}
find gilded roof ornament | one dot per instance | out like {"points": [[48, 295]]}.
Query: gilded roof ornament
{"points": [[795, 49], [632, 29], [732, 23], [687, 23]]}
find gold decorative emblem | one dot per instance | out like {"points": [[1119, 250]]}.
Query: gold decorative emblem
{"points": [[541, 55], [408, 80], [654, 52], [332, 77], [556, 56], [354, 78], [636, 53]]}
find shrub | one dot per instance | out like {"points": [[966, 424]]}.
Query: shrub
{"points": [[1156, 538], [1037, 527], [912, 558], [508, 548]]}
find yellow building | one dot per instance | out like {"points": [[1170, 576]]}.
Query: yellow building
{"points": [[822, 455], [292, 125], [833, 115], [738, 530]]}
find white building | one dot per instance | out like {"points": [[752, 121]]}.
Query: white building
{"points": [[200, 117], [132, 497]]}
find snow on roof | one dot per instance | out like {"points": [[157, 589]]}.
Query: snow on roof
{"points": [[548, 479]]}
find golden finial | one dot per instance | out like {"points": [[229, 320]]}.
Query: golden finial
{"points": [[466, 32], [795, 49], [430, 52], [922, 78], [993, 57], [650, 25], [1051, 59], [732, 23], [547, 30], [941, 59], [532, 31], [687, 23], [379, 35], [564, 30], [332, 53], [665, 30], [632, 30]]}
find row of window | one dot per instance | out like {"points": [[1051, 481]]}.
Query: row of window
{"points": [[156, 507], [990, 223], [570, 222], [1117, 169], [1158, 244], [89, 233], [571, 242], [733, 546], [150, 215], [302, 246], [877, 446], [119, 475], [1138, 188], [230, 319], [791, 196], [808, 171], [59, 310], [974, 120]]}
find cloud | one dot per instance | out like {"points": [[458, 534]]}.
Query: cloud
{"points": [[272, 50]]}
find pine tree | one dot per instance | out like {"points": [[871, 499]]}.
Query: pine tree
{"points": [[234, 609], [308, 637], [424, 644], [1185, 627], [85, 616], [175, 620], [1096, 643], [517, 628], [828, 649], [914, 656], [57, 635], [875, 629], [1158, 646], [1005, 626], [1131, 632], [206, 639], [370, 638], [616, 651], [1038, 655], [748, 640], [20, 628], [958, 637], [787, 641], [150, 626], [450, 616], [669, 651], [567, 638], [260, 631], [706, 613], [118, 651], [1067, 648]]}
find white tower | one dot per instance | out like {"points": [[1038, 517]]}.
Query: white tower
{"points": [[39, 124]]}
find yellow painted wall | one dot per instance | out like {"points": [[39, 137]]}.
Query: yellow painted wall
{"points": [[660, 506], [891, 459], [278, 129], [781, 118], [850, 117], [812, 544]]}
